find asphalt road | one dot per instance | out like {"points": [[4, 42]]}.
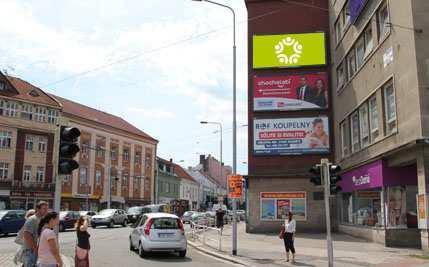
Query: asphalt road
{"points": [[110, 247]]}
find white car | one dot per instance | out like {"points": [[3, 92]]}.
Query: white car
{"points": [[159, 232]]}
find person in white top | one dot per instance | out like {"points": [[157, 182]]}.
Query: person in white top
{"points": [[289, 236], [48, 252]]}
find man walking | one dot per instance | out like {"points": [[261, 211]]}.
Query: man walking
{"points": [[29, 246]]}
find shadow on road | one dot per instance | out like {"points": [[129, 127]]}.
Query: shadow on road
{"points": [[164, 257], [7, 235]]}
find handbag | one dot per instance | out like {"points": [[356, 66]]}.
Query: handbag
{"points": [[282, 233]]}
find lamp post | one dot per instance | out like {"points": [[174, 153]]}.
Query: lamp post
{"points": [[234, 125]]}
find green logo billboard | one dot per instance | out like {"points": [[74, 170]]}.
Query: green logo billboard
{"points": [[289, 50]]}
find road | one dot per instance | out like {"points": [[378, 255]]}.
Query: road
{"points": [[110, 247]]}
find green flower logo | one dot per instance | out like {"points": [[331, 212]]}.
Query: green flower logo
{"points": [[293, 54]]}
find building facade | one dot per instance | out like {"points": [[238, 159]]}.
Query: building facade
{"points": [[189, 188], [379, 71], [168, 188], [209, 190], [112, 151], [28, 124], [289, 112], [212, 167]]}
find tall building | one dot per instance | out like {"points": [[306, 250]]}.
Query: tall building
{"points": [[112, 151], [212, 167], [28, 123], [289, 111], [380, 97]]}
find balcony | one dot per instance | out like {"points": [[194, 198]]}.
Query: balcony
{"points": [[5, 184], [32, 186]]}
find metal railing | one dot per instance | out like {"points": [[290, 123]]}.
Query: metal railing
{"points": [[33, 186], [200, 231]]}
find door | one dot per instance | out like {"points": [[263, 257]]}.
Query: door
{"points": [[137, 231]]}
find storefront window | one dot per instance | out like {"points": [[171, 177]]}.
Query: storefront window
{"points": [[368, 208]]}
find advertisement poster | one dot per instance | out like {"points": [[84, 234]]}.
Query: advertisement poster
{"points": [[235, 186], [276, 205], [291, 136], [291, 92], [396, 207], [289, 50]]}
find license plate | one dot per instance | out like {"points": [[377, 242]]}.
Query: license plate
{"points": [[165, 235]]}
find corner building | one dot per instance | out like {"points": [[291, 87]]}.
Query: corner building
{"points": [[289, 112], [380, 98]]}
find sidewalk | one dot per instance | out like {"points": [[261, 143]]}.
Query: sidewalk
{"points": [[268, 250], [6, 260]]}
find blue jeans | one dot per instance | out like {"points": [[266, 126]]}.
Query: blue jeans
{"points": [[29, 259], [46, 265]]}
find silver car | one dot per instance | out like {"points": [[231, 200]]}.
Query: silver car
{"points": [[159, 232], [109, 218]]}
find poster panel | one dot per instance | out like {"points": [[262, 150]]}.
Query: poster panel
{"points": [[283, 208], [268, 208], [275, 206], [291, 136], [396, 207], [291, 92]]}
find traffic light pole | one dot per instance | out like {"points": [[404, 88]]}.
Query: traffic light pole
{"points": [[324, 165]]}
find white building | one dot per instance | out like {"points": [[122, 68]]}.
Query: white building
{"points": [[189, 188]]}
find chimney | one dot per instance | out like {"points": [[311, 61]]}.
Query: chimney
{"points": [[171, 160]]}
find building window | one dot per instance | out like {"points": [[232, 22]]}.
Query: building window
{"points": [[83, 179], [125, 180], [390, 107], [167, 187], [27, 173], [383, 21], [345, 138], [373, 114], [4, 170], [40, 176], [146, 184], [136, 183], [354, 121], [360, 52], [113, 154], [27, 112], [10, 109], [364, 125], [100, 152], [126, 155], [52, 116], [29, 141], [98, 177], [369, 44], [338, 30], [42, 144], [85, 150], [2, 106], [40, 114], [5, 139], [2, 85], [67, 178], [138, 157], [351, 63], [340, 76]]}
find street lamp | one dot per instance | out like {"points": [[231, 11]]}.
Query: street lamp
{"points": [[234, 124]]}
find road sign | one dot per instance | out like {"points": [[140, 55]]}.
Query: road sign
{"points": [[235, 186]]}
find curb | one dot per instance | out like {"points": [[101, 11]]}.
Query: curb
{"points": [[218, 255]]}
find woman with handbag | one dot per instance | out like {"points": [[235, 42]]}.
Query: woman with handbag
{"points": [[289, 236], [82, 249]]}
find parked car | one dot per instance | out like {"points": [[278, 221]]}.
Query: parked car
{"points": [[88, 214], [159, 232], [109, 218], [134, 213], [202, 218], [186, 218], [11, 221], [67, 220]]}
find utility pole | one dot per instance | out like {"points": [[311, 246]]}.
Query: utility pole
{"points": [[109, 177], [325, 166]]}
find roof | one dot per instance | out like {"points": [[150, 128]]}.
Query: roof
{"points": [[167, 162], [85, 112], [25, 91], [181, 173]]}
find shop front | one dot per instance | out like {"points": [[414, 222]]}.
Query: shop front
{"points": [[78, 202], [378, 202], [25, 200]]}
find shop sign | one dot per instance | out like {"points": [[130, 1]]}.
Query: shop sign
{"points": [[364, 179], [31, 194], [275, 206], [235, 186], [289, 50], [291, 136], [291, 92]]}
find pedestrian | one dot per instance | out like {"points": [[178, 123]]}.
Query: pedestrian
{"points": [[289, 236], [81, 258], [30, 235], [20, 239], [48, 253], [220, 214]]}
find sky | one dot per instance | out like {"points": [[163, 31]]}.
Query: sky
{"points": [[163, 65]]}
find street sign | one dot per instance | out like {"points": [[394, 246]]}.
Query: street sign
{"points": [[235, 186]]}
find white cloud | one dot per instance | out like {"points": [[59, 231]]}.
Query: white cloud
{"points": [[155, 113]]}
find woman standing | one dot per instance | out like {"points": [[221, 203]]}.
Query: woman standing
{"points": [[82, 249], [48, 252], [321, 94], [289, 236]]}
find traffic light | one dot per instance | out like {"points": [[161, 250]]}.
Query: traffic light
{"points": [[68, 149], [334, 179], [316, 178]]}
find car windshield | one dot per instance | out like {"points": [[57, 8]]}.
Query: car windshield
{"points": [[188, 213], [165, 223], [106, 212], [135, 210], [2, 213]]}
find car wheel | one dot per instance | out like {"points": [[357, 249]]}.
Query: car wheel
{"points": [[124, 224], [182, 253], [142, 253], [61, 227], [111, 224]]}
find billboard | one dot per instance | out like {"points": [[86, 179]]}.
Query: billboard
{"points": [[291, 136], [235, 186], [275, 206], [289, 50], [291, 92]]}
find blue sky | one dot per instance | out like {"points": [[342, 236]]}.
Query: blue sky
{"points": [[164, 89]]}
